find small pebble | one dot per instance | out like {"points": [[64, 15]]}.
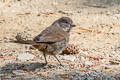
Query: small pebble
{"points": [[70, 58], [88, 63], [18, 72], [25, 56]]}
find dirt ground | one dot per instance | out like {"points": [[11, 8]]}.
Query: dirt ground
{"points": [[97, 34]]}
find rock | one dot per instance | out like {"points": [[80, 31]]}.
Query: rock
{"points": [[18, 72], [25, 56], [1, 75], [70, 58], [117, 15], [117, 77], [88, 63], [99, 70], [34, 66], [12, 79], [84, 52], [107, 76]]}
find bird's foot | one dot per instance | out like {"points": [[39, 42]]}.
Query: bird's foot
{"points": [[61, 65], [44, 64]]}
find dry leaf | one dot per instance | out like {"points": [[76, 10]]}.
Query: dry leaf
{"points": [[13, 75], [79, 29], [84, 70], [92, 57], [99, 32], [108, 70], [97, 6], [72, 64], [114, 62], [64, 76], [9, 57], [7, 50], [25, 13], [49, 13], [26, 70], [84, 49], [104, 31], [117, 25], [95, 58]]}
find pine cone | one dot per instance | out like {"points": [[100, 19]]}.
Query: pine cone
{"points": [[71, 49]]}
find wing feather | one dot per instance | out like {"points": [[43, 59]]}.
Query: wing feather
{"points": [[53, 35]]}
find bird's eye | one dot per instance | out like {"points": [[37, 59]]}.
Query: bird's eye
{"points": [[65, 22]]}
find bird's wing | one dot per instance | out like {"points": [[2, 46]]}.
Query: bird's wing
{"points": [[51, 35], [51, 38]]}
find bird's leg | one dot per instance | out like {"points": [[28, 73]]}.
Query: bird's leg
{"points": [[57, 59], [45, 59]]}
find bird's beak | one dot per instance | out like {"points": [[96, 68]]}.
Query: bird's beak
{"points": [[73, 25]]}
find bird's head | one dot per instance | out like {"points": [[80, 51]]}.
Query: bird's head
{"points": [[65, 23]]}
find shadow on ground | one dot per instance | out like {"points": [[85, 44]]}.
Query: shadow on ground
{"points": [[22, 66]]}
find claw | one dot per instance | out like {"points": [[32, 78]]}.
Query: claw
{"points": [[58, 60]]}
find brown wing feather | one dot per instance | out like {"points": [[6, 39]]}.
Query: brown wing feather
{"points": [[52, 38], [53, 35]]}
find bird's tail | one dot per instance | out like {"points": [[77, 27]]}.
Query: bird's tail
{"points": [[26, 42]]}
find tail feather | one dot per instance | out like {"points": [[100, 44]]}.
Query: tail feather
{"points": [[26, 42]]}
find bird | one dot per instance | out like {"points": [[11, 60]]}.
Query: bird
{"points": [[53, 39]]}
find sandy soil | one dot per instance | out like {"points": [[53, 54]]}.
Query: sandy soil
{"points": [[98, 22]]}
